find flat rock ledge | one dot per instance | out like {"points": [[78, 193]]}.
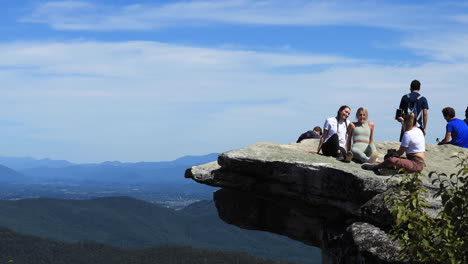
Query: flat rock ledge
{"points": [[336, 206]]}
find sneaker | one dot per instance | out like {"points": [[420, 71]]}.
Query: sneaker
{"points": [[387, 171], [373, 157], [368, 166], [349, 156]]}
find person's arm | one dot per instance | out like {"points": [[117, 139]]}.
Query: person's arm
{"points": [[446, 140], [350, 135], [371, 137], [402, 106], [301, 137], [404, 144], [401, 150], [425, 120], [324, 136]]}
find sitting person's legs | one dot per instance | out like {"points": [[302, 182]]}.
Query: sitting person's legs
{"points": [[371, 149], [330, 148], [400, 163], [358, 150], [362, 152]]}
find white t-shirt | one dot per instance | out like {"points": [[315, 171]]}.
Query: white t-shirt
{"points": [[335, 127], [414, 140]]}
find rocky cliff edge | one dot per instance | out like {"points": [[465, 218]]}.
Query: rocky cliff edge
{"points": [[284, 189]]}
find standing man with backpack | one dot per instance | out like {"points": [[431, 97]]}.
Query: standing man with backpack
{"points": [[415, 103]]}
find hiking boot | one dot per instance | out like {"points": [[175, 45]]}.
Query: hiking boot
{"points": [[340, 158], [349, 156], [387, 171], [368, 166]]}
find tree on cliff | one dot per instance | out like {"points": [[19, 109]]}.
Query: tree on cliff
{"points": [[426, 239]]}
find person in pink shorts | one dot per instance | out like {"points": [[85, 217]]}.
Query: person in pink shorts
{"points": [[413, 143]]}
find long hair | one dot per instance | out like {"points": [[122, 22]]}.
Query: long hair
{"points": [[343, 107], [410, 121]]}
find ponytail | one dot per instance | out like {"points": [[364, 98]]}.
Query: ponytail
{"points": [[410, 121]]}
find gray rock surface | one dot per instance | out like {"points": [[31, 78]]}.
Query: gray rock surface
{"points": [[284, 189]]}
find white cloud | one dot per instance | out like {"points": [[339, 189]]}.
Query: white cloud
{"points": [[86, 16], [147, 60], [134, 101], [447, 46], [146, 100]]}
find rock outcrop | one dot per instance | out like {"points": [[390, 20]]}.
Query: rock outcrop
{"points": [[282, 188]]}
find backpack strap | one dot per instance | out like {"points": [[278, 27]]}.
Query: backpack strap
{"points": [[420, 112], [417, 99]]}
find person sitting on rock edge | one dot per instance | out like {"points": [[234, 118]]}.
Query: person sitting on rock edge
{"points": [[456, 129], [413, 143], [333, 140], [314, 133], [360, 143]]}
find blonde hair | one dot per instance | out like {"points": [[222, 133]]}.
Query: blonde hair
{"points": [[410, 121], [363, 109]]}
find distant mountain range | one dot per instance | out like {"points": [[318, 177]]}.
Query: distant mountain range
{"points": [[25, 249], [28, 170], [23, 163], [131, 223], [8, 175], [161, 182]]}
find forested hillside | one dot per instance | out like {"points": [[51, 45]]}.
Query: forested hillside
{"points": [[131, 223], [25, 249]]}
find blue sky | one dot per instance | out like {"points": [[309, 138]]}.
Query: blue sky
{"points": [[129, 80]]}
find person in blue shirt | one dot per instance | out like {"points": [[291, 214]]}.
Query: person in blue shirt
{"points": [[456, 129], [417, 104], [466, 116]]}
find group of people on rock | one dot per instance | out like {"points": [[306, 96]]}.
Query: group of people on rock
{"points": [[349, 141]]}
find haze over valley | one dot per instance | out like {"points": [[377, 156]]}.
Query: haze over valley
{"points": [[127, 205]]}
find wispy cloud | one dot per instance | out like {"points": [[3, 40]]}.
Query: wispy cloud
{"points": [[131, 100], [146, 59], [450, 47], [138, 97], [73, 15]]}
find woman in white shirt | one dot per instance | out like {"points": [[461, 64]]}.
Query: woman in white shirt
{"points": [[333, 140], [413, 143]]}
